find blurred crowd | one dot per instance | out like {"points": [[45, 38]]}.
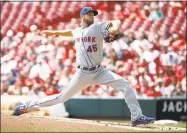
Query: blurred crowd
{"points": [[151, 55]]}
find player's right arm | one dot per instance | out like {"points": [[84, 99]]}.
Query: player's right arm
{"points": [[67, 33], [114, 27]]}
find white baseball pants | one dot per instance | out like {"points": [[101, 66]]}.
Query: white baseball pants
{"points": [[82, 79]]}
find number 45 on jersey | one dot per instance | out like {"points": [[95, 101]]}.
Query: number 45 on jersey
{"points": [[92, 48]]}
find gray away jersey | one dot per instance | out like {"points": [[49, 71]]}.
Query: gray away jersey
{"points": [[89, 44]]}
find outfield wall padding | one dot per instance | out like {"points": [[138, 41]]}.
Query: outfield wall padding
{"points": [[106, 107], [160, 108]]}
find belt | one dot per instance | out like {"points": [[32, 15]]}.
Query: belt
{"points": [[88, 69]]}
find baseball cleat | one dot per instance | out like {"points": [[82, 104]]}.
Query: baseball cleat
{"points": [[143, 120], [21, 109]]}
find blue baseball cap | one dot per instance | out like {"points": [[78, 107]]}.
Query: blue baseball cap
{"points": [[86, 10]]}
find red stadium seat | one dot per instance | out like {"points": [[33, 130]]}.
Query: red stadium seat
{"points": [[20, 16]]}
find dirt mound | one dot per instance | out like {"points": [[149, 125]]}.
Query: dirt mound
{"points": [[52, 124]]}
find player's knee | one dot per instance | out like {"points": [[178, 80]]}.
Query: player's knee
{"points": [[124, 82], [125, 85]]}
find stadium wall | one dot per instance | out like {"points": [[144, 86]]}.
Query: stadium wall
{"points": [[107, 107], [160, 108]]}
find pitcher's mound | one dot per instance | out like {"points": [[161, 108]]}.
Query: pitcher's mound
{"points": [[32, 123]]}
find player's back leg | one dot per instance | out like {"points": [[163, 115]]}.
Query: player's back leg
{"points": [[78, 82]]}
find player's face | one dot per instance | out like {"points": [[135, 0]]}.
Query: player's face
{"points": [[89, 18]]}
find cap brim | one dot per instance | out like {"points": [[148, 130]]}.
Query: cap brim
{"points": [[95, 12]]}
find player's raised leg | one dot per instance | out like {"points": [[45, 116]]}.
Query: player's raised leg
{"points": [[77, 83], [117, 82]]}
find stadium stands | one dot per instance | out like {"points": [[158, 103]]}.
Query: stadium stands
{"points": [[151, 56]]}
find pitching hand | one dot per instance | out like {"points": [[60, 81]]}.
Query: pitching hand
{"points": [[114, 30]]}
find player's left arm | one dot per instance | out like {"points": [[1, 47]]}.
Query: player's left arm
{"points": [[67, 33]]}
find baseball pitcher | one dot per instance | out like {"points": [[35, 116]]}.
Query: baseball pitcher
{"points": [[88, 44]]}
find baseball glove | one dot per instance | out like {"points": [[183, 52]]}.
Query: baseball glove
{"points": [[108, 37]]}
